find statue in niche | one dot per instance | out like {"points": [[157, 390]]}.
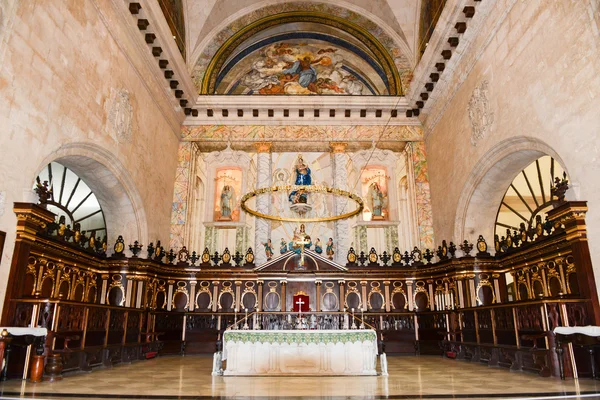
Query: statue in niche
{"points": [[268, 249], [302, 179], [318, 246], [283, 246], [377, 201], [329, 249], [227, 196]]}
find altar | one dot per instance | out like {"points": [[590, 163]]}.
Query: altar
{"points": [[300, 352]]}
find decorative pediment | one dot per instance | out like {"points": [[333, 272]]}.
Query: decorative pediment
{"points": [[289, 262]]}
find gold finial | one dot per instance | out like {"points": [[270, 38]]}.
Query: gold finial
{"points": [[4, 333]]}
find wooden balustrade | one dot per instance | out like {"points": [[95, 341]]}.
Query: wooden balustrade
{"points": [[105, 310]]}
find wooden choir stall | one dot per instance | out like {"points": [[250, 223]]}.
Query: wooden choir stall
{"points": [[102, 308]]}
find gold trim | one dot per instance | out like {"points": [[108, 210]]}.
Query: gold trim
{"points": [[380, 52], [310, 189]]}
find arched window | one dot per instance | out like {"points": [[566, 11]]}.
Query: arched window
{"points": [[528, 195], [72, 198]]}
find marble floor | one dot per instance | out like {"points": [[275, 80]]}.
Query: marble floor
{"points": [[189, 377]]}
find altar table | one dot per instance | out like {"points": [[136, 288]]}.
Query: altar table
{"points": [[300, 352]]}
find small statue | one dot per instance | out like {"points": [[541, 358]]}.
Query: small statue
{"points": [[268, 249], [318, 246], [283, 246], [329, 249], [377, 201], [44, 193], [227, 198], [62, 227]]}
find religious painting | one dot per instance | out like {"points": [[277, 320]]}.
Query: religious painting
{"points": [[228, 190], [374, 187], [312, 65]]}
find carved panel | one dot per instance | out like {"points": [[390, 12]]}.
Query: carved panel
{"points": [[480, 114]]}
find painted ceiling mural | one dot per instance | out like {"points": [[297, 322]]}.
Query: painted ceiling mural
{"points": [[310, 48], [304, 63]]}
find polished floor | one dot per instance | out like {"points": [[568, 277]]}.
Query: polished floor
{"points": [[189, 377]]}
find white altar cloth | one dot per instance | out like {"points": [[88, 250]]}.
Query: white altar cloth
{"points": [[300, 352]]}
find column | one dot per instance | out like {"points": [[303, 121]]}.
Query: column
{"points": [[342, 296], [262, 227], [409, 294], [215, 302], [192, 299], [139, 293], [103, 289], [341, 228], [238, 295], [129, 293], [365, 299], [318, 299], [260, 295], [170, 295], [283, 297], [388, 302]]}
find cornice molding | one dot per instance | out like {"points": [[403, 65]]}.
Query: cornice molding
{"points": [[293, 104], [123, 29], [481, 30]]}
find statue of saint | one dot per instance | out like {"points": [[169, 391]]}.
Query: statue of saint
{"points": [[227, 196], [329, 249], [377, 200], [283, 246], [318, 246], [302, 179], [268, 249]]}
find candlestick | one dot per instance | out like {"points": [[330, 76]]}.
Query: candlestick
{"points": [[246, 319]]}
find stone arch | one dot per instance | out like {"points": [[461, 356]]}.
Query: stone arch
{"points": [[395, 44], [486, 185], [111, 183]]}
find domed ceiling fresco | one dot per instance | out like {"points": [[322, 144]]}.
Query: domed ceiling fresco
{"points": [[302, 49], [302, 59]]}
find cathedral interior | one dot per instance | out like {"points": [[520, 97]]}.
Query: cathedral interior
{"points": [[311, 198]]}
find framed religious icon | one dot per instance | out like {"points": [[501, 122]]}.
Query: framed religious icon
{"points": [[373, 257], [352, 257], [119, 246], [205, 257], [226, 257], [249, 258], [396, 257]]}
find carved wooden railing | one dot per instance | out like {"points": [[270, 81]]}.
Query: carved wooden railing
{"points": [[109, 303]]}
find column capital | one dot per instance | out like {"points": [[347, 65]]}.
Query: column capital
{"points": [[338, 147], [263, 147]]}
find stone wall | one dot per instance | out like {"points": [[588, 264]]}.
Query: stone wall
{"points": [[528, 85], [74, 87]]}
